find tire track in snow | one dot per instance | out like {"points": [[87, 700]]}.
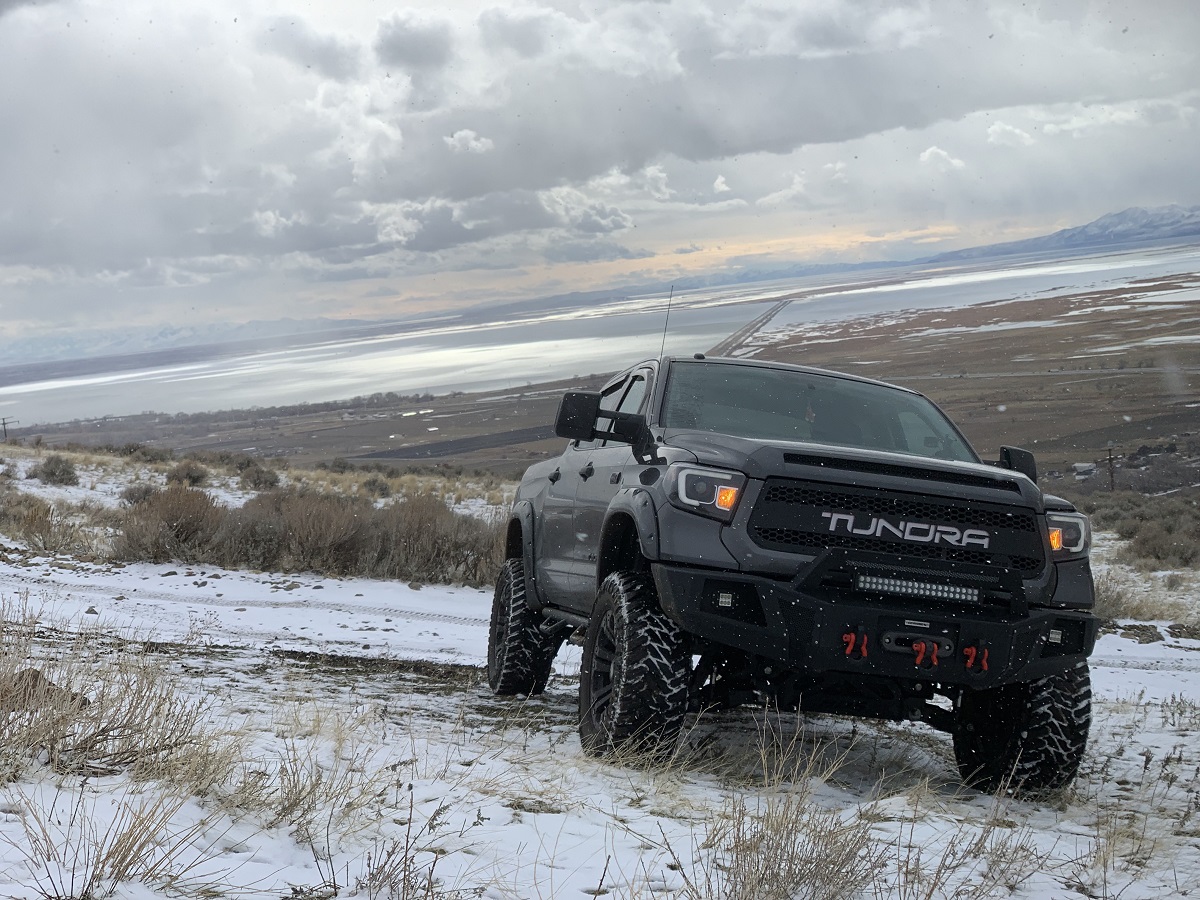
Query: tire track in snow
{"points": [[1146, 665]]}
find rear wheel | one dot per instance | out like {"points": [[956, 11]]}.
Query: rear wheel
{"points": [[519, 653], [633, 684], [1025, 739]]}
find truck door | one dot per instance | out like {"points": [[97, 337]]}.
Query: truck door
{"points": [[603, 475], [558, 558], [555, 526]]}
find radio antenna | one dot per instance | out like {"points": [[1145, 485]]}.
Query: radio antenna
{"points": [[667, 321]]}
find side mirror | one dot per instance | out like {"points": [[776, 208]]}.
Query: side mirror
{"points": [[1019, 460], [577, 414], [628, 428]]}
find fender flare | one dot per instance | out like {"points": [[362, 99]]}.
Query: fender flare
{"points": [[636, 504], [523, 514]]}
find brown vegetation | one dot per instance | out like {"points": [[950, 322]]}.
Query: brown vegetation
{"points": [[415, 539], [1163, 532]]}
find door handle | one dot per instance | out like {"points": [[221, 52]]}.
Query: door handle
{"points": [[554, 476], [587, 471]]}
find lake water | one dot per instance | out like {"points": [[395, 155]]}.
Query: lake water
{"points": [[449, 355]]}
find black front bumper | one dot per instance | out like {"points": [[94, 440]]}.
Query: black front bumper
{"points": [[978, 645]]}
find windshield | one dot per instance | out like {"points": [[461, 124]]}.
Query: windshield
{"points": [[775, 404]]}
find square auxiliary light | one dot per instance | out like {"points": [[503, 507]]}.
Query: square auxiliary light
{"points": [[918, 588]]}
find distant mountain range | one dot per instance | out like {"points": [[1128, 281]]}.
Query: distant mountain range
{"points": [[26, 358], [1130, 226], [1133, 225]]}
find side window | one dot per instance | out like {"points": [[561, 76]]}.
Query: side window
{"points": [[632, 401], [611, 399]]}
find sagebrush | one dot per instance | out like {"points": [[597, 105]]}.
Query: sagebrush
{"points": [[417, 538]]}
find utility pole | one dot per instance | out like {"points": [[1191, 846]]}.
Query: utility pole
{"points": [[1111, 476], [4, 422]]}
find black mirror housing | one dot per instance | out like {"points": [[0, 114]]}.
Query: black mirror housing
{"points": [[1018, 460], [628, 428], [577, 414]]}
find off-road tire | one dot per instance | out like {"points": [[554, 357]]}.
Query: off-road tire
{"points": [[519, 653], [1025, 739], [633, 683]]}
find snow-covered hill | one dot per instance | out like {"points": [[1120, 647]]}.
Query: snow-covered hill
{"points": [[358, 752], [1136, 224]]}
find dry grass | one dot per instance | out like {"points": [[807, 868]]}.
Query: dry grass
{"points": [[774, 841], [970, 858], [49, 528], [81, 845], [342, 521], [787, 815], [1163, 532], [1127, 839], [78, 707], [1120, 594], [323, 781], [87, 705]]}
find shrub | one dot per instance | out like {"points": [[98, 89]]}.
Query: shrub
{"points": [[177, 523], [325, 532], [137, 493], [145, 453], [189, 472], [421, 539], [377, 487], [418, 539], [55, 469], [252, 536], [49, 530], [255, 478], [1162, 531]]}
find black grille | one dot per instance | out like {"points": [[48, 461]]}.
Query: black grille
{"points": [[788, 517], [800, 493]]}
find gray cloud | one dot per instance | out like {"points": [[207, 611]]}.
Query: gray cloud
{"points": [[9, 5], [591, 251], [295, 40], [414, 43], [176, 150], [526, 32]]}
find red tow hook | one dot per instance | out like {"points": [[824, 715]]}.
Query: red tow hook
{"points": [[856, 643], [977, 658], [921, 648]]}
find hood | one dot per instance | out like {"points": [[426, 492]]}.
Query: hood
{"points": [[760, 459]]}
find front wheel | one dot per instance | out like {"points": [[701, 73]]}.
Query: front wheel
{"points": [[1025, 739], [633, 683], [519, 653]]}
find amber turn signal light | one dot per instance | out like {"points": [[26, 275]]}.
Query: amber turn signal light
{"points": [[727, 497], [1056, 539]]}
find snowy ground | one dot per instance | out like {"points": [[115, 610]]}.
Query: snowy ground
{"points": [[373, 691]]}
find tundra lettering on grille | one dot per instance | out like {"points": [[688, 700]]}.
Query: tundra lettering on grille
{"points": [[919, 532]]}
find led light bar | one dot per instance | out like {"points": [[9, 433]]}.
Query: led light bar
{"points": [[918, 588]]}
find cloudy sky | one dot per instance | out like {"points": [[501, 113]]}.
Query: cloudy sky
{"points": [[186, 162]]}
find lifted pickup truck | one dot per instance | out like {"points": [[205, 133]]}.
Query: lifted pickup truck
{"points": [[724, 531]]}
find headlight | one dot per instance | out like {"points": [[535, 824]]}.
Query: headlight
{"points": [[1070, 534], [709, 492]]}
